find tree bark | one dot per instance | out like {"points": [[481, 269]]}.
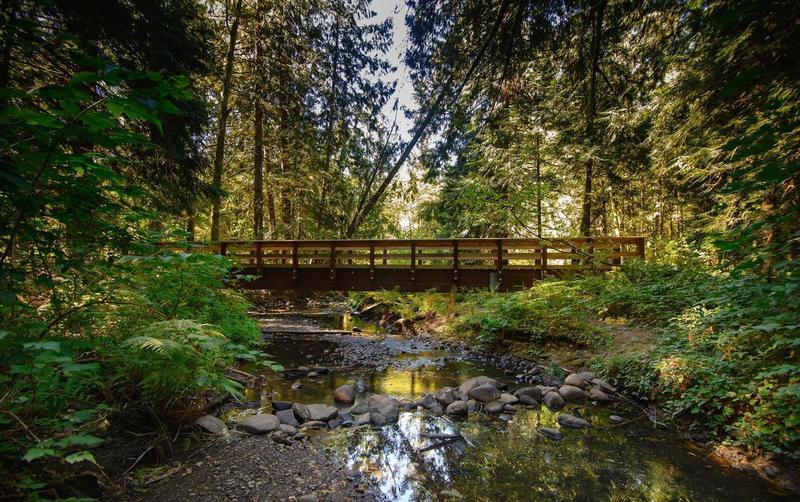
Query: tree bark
{"points": [[258, 138], [596, 14], [224, 111]]}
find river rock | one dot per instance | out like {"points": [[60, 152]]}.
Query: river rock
{"points": [[427, 401], [547, 388], [471, 405], [362, 419], [553, 401], [457, 409], [437, 409], [390, 411], [587, 375], [473, 382], [281, 405], [604, 386], [572, 422], [507, 398], [528, 400], [287, 417], [347, 419], [598, 396], [359, 409], [211, 424], [572, 394], [484, 393], [288, 429], [375, 401], [259, 424], [322, 412], [301, 412], [406, 404], [313, 424], [335, 423], [377, 419], [534, 392], [549, 433], [509, 408], [536, 370], [312, 374], [616, 419], [493, 407], [345, 394], [444, 396], [575, 380]]}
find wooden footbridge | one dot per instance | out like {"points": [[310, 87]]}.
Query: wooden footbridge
{"points": [[416, 264]]}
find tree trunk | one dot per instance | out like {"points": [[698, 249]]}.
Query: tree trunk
{"points": [[258, 139], [224, 111], [329, 127], [596, 14]]}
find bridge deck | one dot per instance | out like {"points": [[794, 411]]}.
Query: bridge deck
{"points": [[416, 264]]}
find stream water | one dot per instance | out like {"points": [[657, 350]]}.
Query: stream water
{"points": [[505, 460]]}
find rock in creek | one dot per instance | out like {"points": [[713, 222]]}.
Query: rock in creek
{"points": [[473, 382], [507, 398], [377, 419], [281, 405], [616, 419], [598, 396], [297, 385], [345, 394], [212, 424], [427, 401], [259, 424], [549, 433], [457, 409], [362, 419], [444, 396], [493, 407], [604, 386], [534, 392], [288, 429], [406, 404], [376, 401], [528, 400], [572, 394], [315, 412], [287, 417], [335, 423], [484, 393], [347, 419], [587, 375], [313, 424], [572, 422], [575, 380], [359, 409], [471, 405], [313, 374], [553, 401], [509, 408]]}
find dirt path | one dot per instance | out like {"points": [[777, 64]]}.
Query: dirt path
{"points": [[256, 468]]}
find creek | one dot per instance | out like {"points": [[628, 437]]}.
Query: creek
{"points": [[503, 458]]}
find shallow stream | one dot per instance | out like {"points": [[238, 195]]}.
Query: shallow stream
{"points": [[501, 460]]}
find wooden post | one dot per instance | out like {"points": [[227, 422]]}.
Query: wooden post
{"points": [[617, 260], [499, 259], [371, 261], [259, 252], [544, 258], [295, 260], [385, 252], [223, 248], [640, 247], [332, 261], [455, 261], [413, 260]]}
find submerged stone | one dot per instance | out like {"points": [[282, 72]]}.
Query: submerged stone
{"points": [[572, 422]]}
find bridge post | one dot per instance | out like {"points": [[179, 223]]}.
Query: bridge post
{"points": [[544, 259], [371, 262], [413, 260], [499, 261], [295, 260], [455, 262], [332, 262], [259, 264], [640, 247]]}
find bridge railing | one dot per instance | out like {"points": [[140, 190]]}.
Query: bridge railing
{"points": [[552, 254]]}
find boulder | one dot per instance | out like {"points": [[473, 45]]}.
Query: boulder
{"points": [[406, 404], [259, 424], [534, 392], [507, 398], [553, 401], [390, 411], [598, 396], [444, 396], [493, 407], [484, 393], [575, 380], [473, 382], [359, 409], [436, 409], [377, 419], [572, 394], [457, 409], [301, 412], [528, 400], [375, 401], [549, 433], [288, 429], [427, 401], [287, 417], [281, 405], [322, 412], [211, 424], [345, 394], [572, 422]]}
